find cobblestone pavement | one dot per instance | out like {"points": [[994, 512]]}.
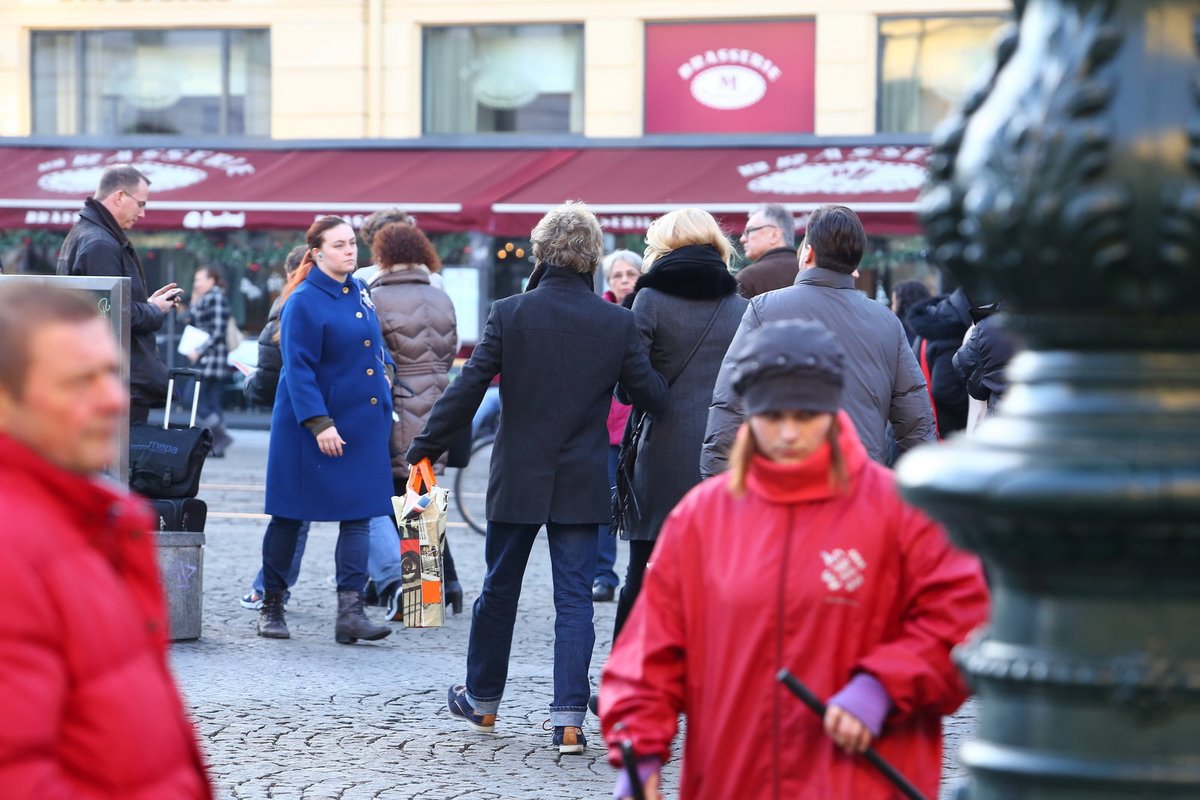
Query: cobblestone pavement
{"points": [[308, 718]]}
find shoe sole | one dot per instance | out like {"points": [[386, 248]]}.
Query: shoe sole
{"points": [[275, 635], [570, 749], [375, 637]]}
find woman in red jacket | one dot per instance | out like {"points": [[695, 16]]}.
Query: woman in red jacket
{"points": [[801, 556]]}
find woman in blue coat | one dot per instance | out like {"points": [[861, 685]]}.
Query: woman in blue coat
{"points": [[328, 457]]}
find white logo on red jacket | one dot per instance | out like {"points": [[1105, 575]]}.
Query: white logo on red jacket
{"points": [[843, 569]]}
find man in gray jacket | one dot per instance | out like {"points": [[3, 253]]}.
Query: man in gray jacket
{"points": [[883, 380]]}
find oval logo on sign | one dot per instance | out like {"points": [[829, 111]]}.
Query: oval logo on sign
{"points": [[728, 87]]}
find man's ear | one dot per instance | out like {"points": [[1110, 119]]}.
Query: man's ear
{"points": [[806, 256]]}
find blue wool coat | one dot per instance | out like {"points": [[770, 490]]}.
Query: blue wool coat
{"points": [[333, 364]]}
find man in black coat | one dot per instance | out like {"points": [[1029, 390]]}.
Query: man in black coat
{"points": [[97, 245], [559, 350]]}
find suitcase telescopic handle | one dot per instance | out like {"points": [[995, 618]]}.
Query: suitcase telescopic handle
{"points": [[186, 373]]}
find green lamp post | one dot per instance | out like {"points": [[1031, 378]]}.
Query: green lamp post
{"points": [[1069, 187]]}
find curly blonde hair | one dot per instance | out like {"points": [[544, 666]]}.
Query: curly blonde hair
{"points": [[568, 236]]}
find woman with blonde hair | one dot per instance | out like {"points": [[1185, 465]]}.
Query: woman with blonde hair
{"points": [[801, 556], [687, 309]]}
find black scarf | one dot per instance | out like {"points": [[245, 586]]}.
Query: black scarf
{"points": [[540, 270], [694, 271]]}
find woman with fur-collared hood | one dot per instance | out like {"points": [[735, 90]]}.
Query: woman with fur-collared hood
{"points": [[687, 285]]}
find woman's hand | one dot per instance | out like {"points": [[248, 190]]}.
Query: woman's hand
{"points": [[194, 356], [846, 730], [330, 443]]}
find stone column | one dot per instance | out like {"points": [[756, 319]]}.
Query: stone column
{"points": [[1069, 186]]}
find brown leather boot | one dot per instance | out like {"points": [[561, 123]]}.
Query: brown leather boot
{"points": [[271, 623], [352, 624]]}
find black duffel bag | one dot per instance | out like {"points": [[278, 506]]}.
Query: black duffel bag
{"points": [[165, 460]]}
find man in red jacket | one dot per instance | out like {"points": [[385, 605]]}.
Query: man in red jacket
{"points": [[90, 709]]}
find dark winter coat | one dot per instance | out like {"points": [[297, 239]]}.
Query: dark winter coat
{"points": [[421, 332], [210, 313], [97, 246], [333, 365], [983, 358], [559, 350], [942, 322], [260, 387], [775, 270], [672, 304], [883, 381]]}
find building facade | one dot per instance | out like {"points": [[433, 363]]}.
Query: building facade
{"points": [[484, 113]]}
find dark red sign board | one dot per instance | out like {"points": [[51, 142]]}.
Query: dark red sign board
{"points": [[730, 77]]}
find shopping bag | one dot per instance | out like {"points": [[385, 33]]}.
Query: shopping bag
{"points": [[421, 519]]}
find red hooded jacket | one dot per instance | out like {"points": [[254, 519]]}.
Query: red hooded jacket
{"points": [[795, 574], [88, 706]]}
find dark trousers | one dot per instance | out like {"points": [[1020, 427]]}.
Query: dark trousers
{"points": [[350, 554], [639, 557], [573, 564]]}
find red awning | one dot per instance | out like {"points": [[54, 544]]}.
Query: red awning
{"points": [[503, 192], [448, 190], [627, 188]]}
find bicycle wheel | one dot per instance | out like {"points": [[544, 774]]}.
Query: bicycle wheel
{"points": [[470, 486]]}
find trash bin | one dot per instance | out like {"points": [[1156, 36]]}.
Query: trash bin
{"points": [[181, 562]]}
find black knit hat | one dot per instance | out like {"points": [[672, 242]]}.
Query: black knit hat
{"points": [[789, 365]]}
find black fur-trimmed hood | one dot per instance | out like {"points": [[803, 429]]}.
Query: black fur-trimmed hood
{"points": [[694, 271]]}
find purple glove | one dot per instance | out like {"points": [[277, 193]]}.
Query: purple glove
{"points": [[865, 698], [647, 766]]}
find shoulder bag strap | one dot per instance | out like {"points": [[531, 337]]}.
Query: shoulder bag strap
{"points": [[699, 342]]}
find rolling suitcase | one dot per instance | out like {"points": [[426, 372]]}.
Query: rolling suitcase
{"points": [[182, 514], [165, 461]]}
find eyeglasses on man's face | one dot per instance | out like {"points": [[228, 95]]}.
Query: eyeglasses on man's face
{"points": [[746, 233], [141, 203]]}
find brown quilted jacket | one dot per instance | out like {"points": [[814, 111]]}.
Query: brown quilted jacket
{"points": [[420, 330]]}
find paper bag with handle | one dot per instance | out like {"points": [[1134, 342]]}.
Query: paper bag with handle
{"points": [[421, 518]]}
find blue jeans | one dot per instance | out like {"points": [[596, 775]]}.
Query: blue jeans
{"points": [[606, 543], [383, 553], [572, 560], [293, 573], [350, 554]]}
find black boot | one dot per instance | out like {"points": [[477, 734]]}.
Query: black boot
{"points": [[352, 624], [271, 623], [221, 438]]}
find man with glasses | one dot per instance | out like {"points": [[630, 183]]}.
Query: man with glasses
{"points": [[97, 245], [769, 240]]}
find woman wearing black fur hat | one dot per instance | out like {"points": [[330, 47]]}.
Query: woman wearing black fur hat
{"points": [[687, 310]]}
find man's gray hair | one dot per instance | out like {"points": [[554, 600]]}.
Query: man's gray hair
{"points": [[384, 216], [778, 215], [628, 256], [570, 237], [120, 177]]}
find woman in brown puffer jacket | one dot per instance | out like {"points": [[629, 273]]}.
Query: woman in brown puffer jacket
{"points": [[420, 330]]}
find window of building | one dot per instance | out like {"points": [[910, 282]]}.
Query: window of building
{"points": [[503, 79], [926, 66], [174, 82]]}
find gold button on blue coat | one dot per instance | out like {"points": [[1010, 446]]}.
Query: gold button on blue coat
{"points": [[345, 290], [366, 342], [374, 400], [358, 314], [370, 371]]}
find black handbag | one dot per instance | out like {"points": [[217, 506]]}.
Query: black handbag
{"points": [[165, 460], [625, 508]]}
